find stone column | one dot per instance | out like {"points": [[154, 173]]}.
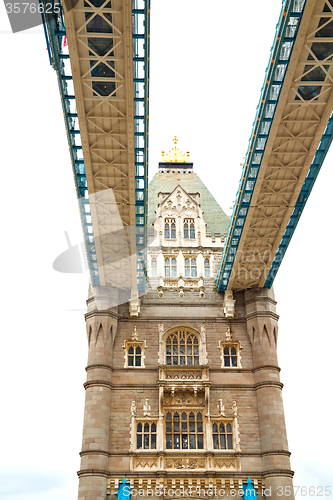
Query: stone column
{"points": [[101, 331], [262, 328]]}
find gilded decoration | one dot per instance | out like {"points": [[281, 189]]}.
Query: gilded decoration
{"points": [[175, 155]]}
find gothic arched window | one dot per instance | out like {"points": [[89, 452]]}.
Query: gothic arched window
{"points": [[184, 430], [170, 267], [170, 228], [189, 228], [207, 268], [182, 348], [222, 436], [190, 268]]}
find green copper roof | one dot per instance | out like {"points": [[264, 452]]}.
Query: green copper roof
{"points": [[216, 220]]}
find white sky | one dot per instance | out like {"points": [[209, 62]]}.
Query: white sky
{"points": [[207, 69]]}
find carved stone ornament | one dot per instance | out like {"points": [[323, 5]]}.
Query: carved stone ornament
{"points": [[224, 463], [146, 462], [183, 375], [185, 463]]}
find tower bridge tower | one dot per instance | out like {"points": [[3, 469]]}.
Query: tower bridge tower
{"points": [[185, 392]]}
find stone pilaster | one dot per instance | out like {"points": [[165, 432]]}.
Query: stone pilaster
{"points": [[101, 332], [262, 328]]}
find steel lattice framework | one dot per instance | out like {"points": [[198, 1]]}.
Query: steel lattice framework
{"points": [[291, 135], [105, 87]]}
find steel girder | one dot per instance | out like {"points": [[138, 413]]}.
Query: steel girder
{"points": [[290, 137]]}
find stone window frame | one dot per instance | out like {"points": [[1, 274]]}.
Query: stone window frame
{"points": [[173, 268], [193, 356], [134, 343], [171, 227], [163, 334], [188, 433], [230, 344], [144, 422], [225, 422]]}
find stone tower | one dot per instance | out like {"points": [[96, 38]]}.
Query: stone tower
{"points": [[183, 393]]}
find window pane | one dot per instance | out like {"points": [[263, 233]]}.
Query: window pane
{"points": [[196, 360], [176, 416], [146, 440], [153, 441], [130, 360], [139, 441], [168, 360], [146, 427], [200, 441], [192, 442], [168, 416], [215, 428], [166, 233], [167, 271], [176, 426], [233, 351], [184, 441], [138, 351], [234, 361], [229, 439], [130, 350], [184, 426], [182, 360], [168, 427], [199, 416], [199, 426], [176, 441], [222, 442], [169, 442], [192, 427], [191, 417], [229, 428], [137, 360], [226, 351], [139, 428], [174, 271], [193, 272], [222, 428], [153, 427], [187, 272], [173, 233], [216, 441], [226, 361]]}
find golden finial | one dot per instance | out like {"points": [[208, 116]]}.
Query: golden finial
{"points": [[175, 155]]}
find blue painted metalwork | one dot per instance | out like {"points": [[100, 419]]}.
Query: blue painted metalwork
{"points": [[55, 31], [285, 36], [249, 491], [124, 490], [141, 42], [302, 199]]}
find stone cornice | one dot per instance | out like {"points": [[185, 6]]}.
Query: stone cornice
{"points": [[266, 367], [269, 383], [91, 367], [104, 312], [276, 452], [93, 472], [278, 472], [261, 314], [98, 383]]}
